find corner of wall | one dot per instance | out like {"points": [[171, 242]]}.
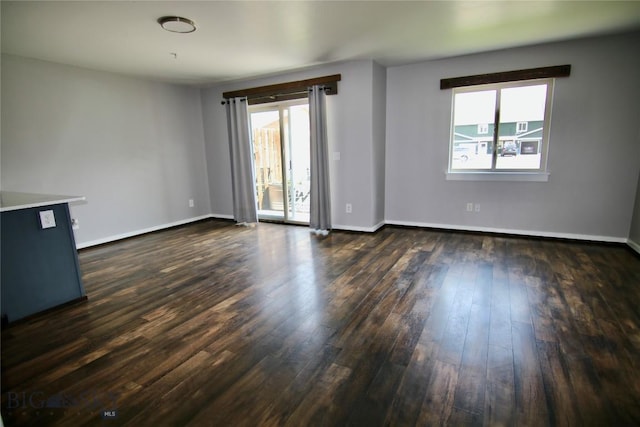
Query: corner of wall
{"points": [[378, 139], [634, 245], [634, 229]]}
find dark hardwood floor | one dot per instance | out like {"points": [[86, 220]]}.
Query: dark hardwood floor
{"points": [[216, 325]]}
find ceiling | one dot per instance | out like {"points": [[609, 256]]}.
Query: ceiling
{"points": [[240, 39]]}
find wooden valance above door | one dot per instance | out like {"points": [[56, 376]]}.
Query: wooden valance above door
{"points": [[285, 91]]}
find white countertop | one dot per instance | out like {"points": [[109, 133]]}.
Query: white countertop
{"points": [[11, 201]]}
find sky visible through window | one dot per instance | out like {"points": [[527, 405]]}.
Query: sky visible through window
{"points": [[525, 103]]}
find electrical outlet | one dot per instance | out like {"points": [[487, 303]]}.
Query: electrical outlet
{"points": [[47, 219], [349, 208], [469, 207], [477, 207], [75, 224], [191, 203]]}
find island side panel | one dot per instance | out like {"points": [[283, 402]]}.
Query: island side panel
{"points": [[40, 267]]}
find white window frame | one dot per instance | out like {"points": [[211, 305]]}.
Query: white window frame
{"points": [[493, 174], [483, 128], [522, 127]]}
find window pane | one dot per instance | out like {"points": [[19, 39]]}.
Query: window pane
{"points": [[265, 130], [521, 127], [473, 125], [297, 152]]}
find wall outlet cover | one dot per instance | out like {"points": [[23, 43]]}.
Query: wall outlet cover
{"points": [[47, 219]]}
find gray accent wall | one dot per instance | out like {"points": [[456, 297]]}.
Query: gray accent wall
{"points": [[594, 157], [134, 148], [356, 178], [139, 150]]}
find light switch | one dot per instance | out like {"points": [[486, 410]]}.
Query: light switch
{"points": [[47, 219]]}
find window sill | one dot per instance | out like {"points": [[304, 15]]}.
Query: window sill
{"points": [[498, 176]]}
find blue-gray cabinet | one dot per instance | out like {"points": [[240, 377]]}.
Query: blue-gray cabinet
{"points": [[39, 268]]}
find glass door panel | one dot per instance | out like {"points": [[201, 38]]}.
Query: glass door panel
{"points": [[281, 146], [267, 147], [298, 156]]}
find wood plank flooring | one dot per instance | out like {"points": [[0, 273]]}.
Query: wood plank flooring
{"points": [[212, 324]]}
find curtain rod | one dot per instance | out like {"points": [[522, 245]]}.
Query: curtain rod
{"points": [[287, 89], [279, 97]]}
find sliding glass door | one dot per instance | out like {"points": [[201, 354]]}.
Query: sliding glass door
{"points": [[280, 133]]}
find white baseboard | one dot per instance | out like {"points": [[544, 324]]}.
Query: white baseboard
{"points": [[587, 237], [532, 233], [221, 216], [356, 228], [109, 239], [633, 245]]}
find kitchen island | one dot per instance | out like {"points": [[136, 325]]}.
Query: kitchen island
{"points": [[39, 260]]}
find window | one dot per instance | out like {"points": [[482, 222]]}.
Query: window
{"points": [[522, 127], [501, 128]]}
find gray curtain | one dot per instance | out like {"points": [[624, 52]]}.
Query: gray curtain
{"points": [[320, 216], [243, 181]]}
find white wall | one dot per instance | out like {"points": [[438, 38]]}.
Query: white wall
{"points": [[379, 114], [594, 157], [134, 148], [350, 129]]}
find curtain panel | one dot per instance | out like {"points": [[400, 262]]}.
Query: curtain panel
{"points": [[245, 209], [320, 215]]}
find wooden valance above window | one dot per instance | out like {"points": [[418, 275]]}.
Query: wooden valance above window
{"points": [[285, 91], [507, 76]]}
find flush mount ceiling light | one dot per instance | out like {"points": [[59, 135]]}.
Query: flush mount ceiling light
{"points": [[177, 24]]}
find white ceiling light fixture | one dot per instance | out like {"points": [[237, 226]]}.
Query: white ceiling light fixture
{"points": [[177, 24]]}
